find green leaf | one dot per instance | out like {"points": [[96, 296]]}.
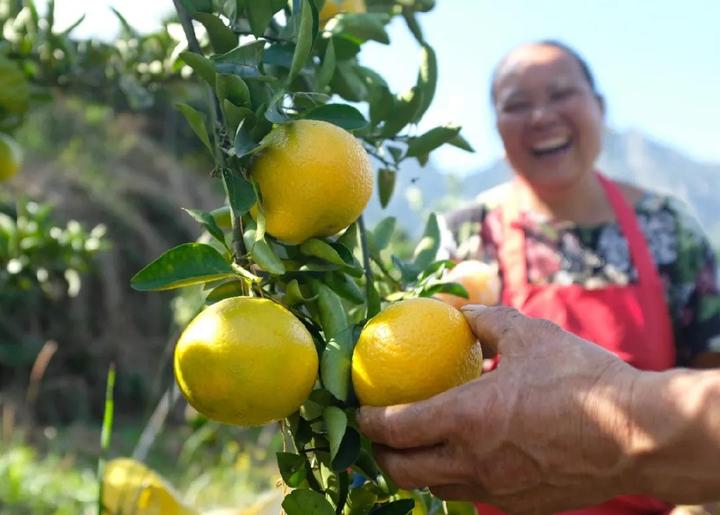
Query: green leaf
{"points": [[275, 112], [450, 288], [335, 361], [322, 250], [197, 123], [305, 38], [382, 234], [460, 142], [292, 468], [333, 317], [305, 502], [225, 291], [347, 83], [336, 423], [342, 115], [404, 108], [386, 185], [221, 37], [249, 54], [400, 507], [396, 152], [427, 249], [349, 450], [127, 30], [431, 140], [293, 294], [327, 69], [381, 104], [184, 265], [208, 222], [234, 115], [260, 12], [239, 191], [335, 369], [244, 144], [413, 25], [232, 88], [363, 26], [426, 81], [362, 499], [279, 54], [261, 251], [72, 26], [461, 508], [365, 463], [346, 287], [350, 238], [194, 6], [373, 301], [201, 65]]}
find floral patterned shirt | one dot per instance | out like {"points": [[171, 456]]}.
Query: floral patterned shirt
{"points": [[595, 256]]}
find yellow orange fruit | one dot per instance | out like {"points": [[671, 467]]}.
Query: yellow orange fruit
{"points": [[412, 350], [315, 179], [131, 487], [245, 361], [481, 281]]}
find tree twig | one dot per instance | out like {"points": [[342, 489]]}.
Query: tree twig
{"points": [[238, 244], [369, 279]]}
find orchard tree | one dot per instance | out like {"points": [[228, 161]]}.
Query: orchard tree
{"points": [[299, 132]]}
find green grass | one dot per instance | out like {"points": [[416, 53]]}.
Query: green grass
{"points": [[212, 466]]}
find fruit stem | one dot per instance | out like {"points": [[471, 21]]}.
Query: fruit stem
{"points": [[238, 245]]}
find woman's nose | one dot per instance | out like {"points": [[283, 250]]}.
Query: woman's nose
{"points": [[540, 113]]}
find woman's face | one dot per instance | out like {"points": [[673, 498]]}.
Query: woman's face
{"points": [[548, 117]]}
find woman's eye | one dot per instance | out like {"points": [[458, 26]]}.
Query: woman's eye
{"points": [[562, 94], [516, 107]]}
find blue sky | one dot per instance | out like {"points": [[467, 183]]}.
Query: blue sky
{"points": [[656, 61]]}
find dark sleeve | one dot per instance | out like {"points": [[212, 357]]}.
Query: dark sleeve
{"points": [[694, 290], [462, 233]]}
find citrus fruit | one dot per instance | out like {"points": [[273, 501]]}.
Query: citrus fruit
{"points": [[334, 7], [245, 361], [131, 487], [481, 281], [315, 179], [412, 350], [10, 157]]}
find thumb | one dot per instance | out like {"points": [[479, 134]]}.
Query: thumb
{"points": [[496, 327]]}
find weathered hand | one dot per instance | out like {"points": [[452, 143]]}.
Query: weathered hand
{"points": [[547, 430]]}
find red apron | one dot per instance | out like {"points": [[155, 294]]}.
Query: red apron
{"points": [[631, 321]]}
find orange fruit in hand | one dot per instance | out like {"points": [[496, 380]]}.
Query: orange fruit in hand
{"points": [[412, 350]]}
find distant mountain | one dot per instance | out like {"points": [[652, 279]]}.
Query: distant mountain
{"points": [[629, 156]]}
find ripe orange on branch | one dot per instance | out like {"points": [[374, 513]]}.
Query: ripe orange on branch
{"points": [[245, 361], [315, 179]]}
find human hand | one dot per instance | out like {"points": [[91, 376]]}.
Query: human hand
{"points": [[547, 430]]}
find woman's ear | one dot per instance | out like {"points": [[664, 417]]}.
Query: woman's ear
{"points": [[601, 102]]}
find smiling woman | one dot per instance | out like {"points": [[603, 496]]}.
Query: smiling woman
{"points": [[625, 268]]}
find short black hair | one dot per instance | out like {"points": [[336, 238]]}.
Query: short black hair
{"points": [[584, 67]]}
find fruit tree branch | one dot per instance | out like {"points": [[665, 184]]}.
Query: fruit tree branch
{"points": [[238, 244]]}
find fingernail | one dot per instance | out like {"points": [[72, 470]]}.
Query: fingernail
{"points": [[473, 307]]}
